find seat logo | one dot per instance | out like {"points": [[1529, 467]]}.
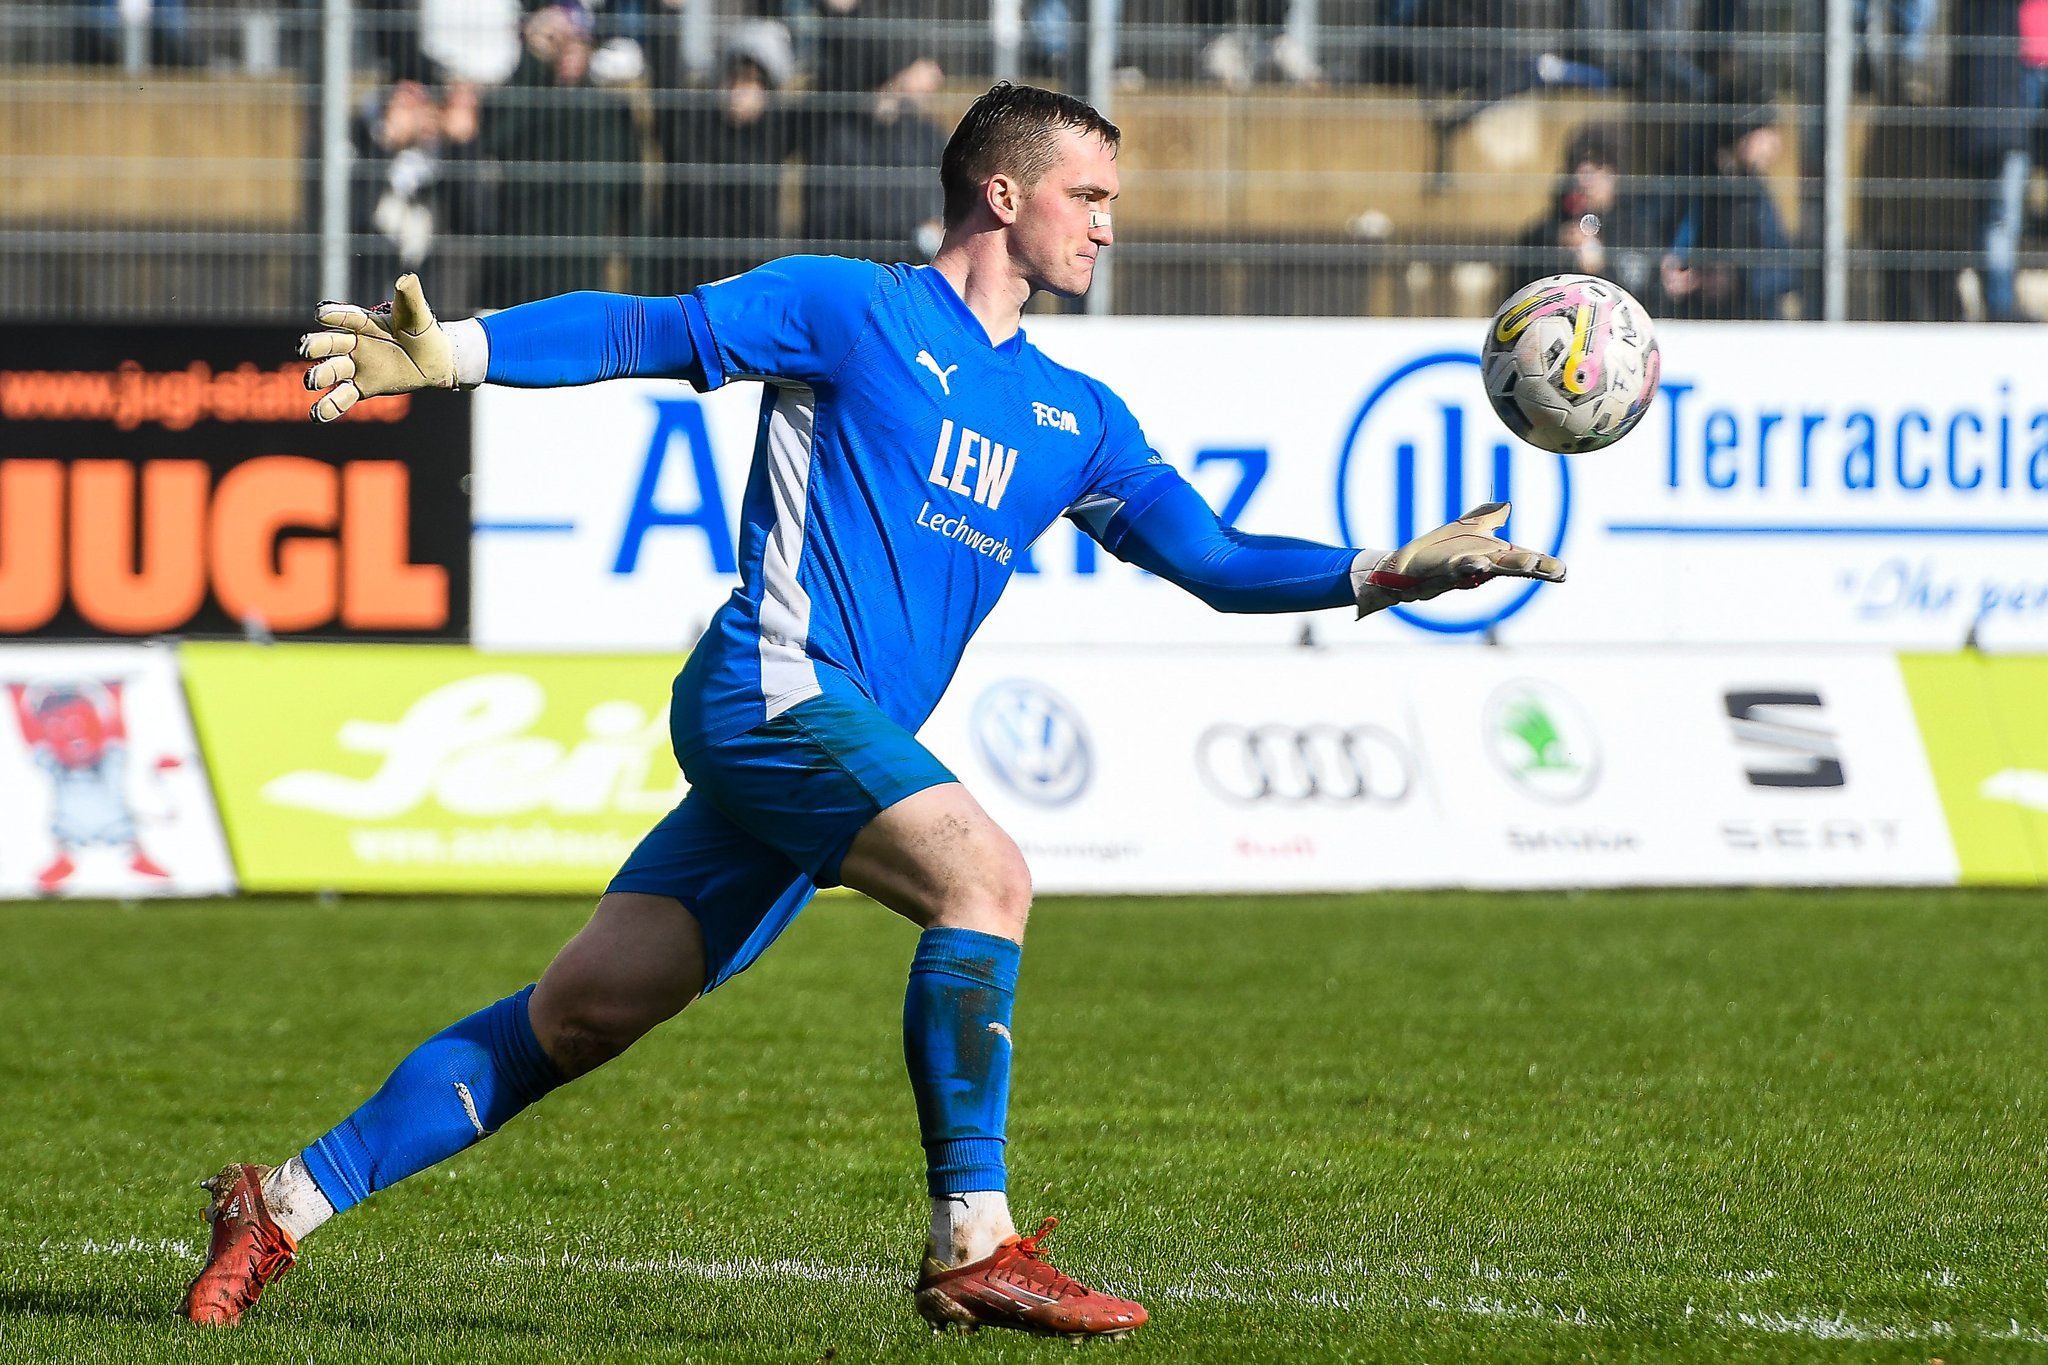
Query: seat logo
{"points": [[1333, 764], [1033, 740], [924, 358], [1780, 733], [1425, 449]]}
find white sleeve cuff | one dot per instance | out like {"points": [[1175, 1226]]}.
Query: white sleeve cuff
{"points": [[472, 350], [1364, 563]]}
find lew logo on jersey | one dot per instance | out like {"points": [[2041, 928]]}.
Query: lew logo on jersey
{"points": [[989, 464]]}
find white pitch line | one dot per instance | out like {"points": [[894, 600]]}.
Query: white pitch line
{"points": [[734, 1268], [1798, 1322], [127, 1246]]}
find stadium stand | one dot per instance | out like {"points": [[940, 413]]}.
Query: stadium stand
{"points": [[1345, 175]]}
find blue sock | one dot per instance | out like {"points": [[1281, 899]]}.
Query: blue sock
{"points": [[459, 1086], [956, 1040]]}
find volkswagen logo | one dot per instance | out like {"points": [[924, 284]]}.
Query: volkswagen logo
{"points": [[1424, 450], [1316, 762], [1032, 739]]}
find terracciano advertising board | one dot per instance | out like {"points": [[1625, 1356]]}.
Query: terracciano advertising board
{"points": [[1814, 485], [431, 768]]}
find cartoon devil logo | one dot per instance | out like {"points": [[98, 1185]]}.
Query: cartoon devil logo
{"points": [[76, 734]]}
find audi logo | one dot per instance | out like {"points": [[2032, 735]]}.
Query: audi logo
{"points": [[1333, 763]]}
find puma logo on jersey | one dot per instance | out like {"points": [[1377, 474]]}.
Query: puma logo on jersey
{"points": [[924, 358], [973, 464], [1058, 418]]}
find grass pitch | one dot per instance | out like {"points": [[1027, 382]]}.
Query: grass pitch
{"points": [[1690, 1127]]}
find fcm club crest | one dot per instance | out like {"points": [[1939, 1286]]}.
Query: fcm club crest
{"points": [[1424, 450]]}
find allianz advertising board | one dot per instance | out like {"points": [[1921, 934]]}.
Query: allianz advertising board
{"points": [[1857, 484]]}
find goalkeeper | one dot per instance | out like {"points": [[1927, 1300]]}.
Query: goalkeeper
{"points": [[904, 447]]}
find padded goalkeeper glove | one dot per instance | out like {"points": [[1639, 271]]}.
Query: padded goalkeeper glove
{"points": [[1463, 554], [396, 347]]}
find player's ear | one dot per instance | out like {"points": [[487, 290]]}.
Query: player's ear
{"points": [[1005, 197]]}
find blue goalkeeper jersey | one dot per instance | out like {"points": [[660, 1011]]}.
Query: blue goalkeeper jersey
{"points": [[903, 464]]}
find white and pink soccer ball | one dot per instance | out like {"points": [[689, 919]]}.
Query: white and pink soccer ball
{"points": [[1570, 363]]}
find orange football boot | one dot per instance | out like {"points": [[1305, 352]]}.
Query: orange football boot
{"points": [[246, 1251], [1020, 1287]]}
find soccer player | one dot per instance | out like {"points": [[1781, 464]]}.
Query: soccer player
{"points": [[905, 450]]}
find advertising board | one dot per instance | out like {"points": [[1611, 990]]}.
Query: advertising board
{"points": [[1173, 770], [425, 768], [1987, 738], [1791, 486], [166, 480], [102, 788]]}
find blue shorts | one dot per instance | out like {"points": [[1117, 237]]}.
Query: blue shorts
{"points": [[769, 817]]}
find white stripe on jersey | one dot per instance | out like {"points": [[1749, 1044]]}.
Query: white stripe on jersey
{"points": [[787, 676]]}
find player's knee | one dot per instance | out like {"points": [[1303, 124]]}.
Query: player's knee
{"points": [[581, 1030], [997, 899], [581, 1039]]}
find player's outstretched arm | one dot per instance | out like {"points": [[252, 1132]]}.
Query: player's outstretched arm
{"points": [[1165, 527], [1463, 554], [1169, 530], [396, 347], [579, 338]]}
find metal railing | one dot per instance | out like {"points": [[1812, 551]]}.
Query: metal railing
{"points": [[172, 159]]}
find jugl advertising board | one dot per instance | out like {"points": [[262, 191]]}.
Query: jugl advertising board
{"points": [[166, 480], [1171, 770], [1791, 486], [423, 768], [102, 788]]}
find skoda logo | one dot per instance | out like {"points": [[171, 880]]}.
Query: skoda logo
{"points": [[1033, 741], [1541, 737], [1425, 449], [1329, 763]]}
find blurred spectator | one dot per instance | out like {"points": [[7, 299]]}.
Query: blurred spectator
{"points": [[1250, 42], [873, 190], [470, 40], [1584, 215], [1669, 52], [1478, 48], [1901, 60], [1469, 55], [160, 25], [1909, 218], [391, 28], [570, 162], [1994, 144], [418, 181], [725, 165], [856, 52], [1728, 254]]}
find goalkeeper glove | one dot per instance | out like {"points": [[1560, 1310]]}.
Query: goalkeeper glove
{"points": [[396, 347], [1463, 554]]}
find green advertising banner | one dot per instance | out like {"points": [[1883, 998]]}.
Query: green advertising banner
{"points": [[1986, 732], [431, 768]]}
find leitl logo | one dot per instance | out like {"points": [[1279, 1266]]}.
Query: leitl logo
{"points": [[282, 541]]}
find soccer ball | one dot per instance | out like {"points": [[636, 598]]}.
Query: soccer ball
{"points": [[1570, 363]]}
